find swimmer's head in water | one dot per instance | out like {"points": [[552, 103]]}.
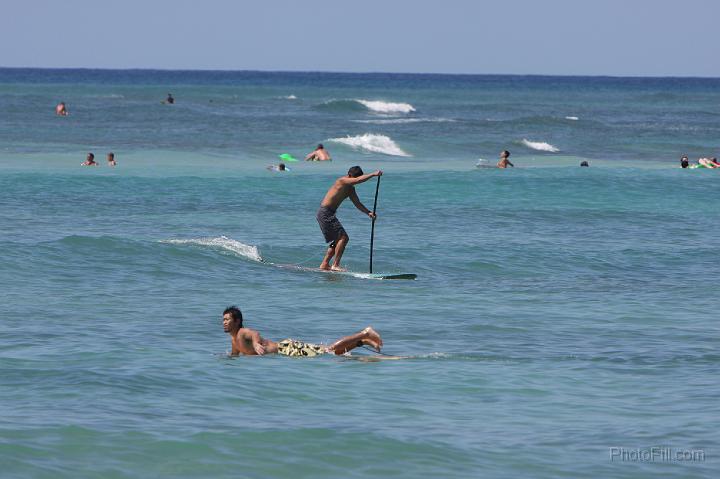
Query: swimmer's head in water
{"points": [[320, 147], [584, 163], [504, 154], [233, 313], [111, 156], [90, 156], [281, 167], [355, 171]]}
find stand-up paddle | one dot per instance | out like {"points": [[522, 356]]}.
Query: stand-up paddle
{"points": [[372, 243], [372, 228]]}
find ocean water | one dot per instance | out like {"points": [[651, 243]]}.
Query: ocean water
{"points": [[563, 323]]}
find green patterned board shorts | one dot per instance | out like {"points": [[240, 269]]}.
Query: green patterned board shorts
{"points": [[293, 347]]}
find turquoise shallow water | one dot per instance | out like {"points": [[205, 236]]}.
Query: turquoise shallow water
{"points": [[559, 312]]}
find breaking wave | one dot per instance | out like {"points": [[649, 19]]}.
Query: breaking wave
{"points": [[386, 107], [540, 146], [359, 104], [373, 143]]}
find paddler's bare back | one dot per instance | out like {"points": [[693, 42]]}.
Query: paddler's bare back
{"points": [[337, 194]]}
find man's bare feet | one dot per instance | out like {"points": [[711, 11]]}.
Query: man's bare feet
{"points": [[337, 268], [325, 267], [373, 338]]}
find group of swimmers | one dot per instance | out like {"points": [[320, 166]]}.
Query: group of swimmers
{"points": [[318, 154], [61, 108], [505, 160], [90, 160]]}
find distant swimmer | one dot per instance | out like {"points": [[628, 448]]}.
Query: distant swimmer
{"points": [[684, 162], [246, 341], [111, 159], [504, 162], [280, 167], [584, 163], [330, 226], [90, 160], [170, 100], [319, 154], [61, 109]]}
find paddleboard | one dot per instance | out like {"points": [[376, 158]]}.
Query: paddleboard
{"points": [[354, 274]]}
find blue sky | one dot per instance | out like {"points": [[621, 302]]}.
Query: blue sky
{"points": [[561, 37]]}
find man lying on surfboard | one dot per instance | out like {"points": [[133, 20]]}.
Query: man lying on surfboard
{"points": [[247, 341], [329, 224]]}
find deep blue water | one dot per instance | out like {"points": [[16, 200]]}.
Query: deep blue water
{"points": [[559, 312]]}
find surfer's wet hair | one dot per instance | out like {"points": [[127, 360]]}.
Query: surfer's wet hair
{"points": [[234, 313], [355, 171]]}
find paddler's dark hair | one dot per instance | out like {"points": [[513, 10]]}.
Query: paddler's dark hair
{"points": [[355, 171], [234, 312]]}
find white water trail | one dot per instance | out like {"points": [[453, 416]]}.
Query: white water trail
{"points": [[222, 242]]}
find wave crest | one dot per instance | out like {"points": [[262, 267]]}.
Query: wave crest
{"points": [[540, 146], [373, 143], [359, 104], [386, 106], [222, 242]]}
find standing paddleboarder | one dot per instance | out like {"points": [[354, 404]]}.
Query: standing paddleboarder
{"points": [[330, 226]]}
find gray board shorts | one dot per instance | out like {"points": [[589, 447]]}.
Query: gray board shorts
{"points": [[330, 225]]}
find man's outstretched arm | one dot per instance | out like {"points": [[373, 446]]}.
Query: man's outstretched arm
{"points": [[360, 179]]}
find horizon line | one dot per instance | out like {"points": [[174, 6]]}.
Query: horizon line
{"points": [[218, 70]]}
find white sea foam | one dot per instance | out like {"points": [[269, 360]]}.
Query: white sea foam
{"points": [[222, 242], [573, 118], [540, 146], [385, 106], [398, 121], [290, 97], [371, 142]]}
